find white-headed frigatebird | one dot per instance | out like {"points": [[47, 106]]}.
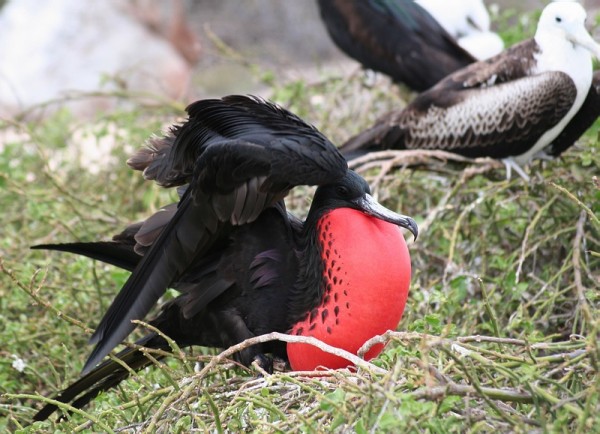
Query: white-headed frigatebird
{"points": [[396, 37], [510, 107], [243, 265]]}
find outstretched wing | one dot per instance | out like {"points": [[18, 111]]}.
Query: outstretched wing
{"points": [[240, 155], [396, 37]]}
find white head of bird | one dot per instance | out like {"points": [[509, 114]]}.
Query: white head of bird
{"points": [[564, 41]]}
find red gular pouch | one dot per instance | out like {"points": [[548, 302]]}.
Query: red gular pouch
{"points": [[366, 281]]}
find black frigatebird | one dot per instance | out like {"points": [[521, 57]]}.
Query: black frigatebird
{"points": [[243, 265], [509, 107], [396, 37]]}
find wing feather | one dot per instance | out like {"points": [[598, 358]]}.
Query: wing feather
{"points": [[497, 121], [239, 155], [398, 38]]}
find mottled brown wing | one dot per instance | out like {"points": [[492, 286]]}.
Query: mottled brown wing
{"points": [[499, 121], [513, 63]]}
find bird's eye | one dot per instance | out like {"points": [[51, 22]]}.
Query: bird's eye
{"points": [[558, 19], [342, 191]]}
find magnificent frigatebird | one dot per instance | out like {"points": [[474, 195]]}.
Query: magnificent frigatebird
{"points": [[468, 21], [243, 265], [509, 107], [396, 37]]}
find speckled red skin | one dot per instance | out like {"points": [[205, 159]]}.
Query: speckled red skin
{"points": [[366, 280]]}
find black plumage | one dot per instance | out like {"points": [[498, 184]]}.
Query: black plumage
{"points": [[239, 156], [396, 37], [243, 265]]}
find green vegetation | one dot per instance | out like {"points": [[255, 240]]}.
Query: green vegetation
{"points": [[500, 332]]}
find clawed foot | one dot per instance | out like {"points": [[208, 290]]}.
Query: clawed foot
{"points": [[510, 164], [281, 364]]}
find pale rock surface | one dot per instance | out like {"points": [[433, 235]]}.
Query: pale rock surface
{"points": [[50, 48]]}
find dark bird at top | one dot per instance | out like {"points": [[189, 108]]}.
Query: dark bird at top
{"points": [[396, 37], [243, 264], [512, 107]]}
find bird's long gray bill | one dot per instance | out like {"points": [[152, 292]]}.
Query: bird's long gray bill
{"points": [[584, 39], [373, 208]]}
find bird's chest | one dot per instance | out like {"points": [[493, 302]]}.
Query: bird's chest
{"points": [[575, 61], [365, 282]]}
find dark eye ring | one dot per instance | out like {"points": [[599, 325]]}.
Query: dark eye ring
{"points": [[558, 19]]}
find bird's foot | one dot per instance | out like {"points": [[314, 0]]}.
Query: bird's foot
{"points": [[510, 164], [281, 364]]}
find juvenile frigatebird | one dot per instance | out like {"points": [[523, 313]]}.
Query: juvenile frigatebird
{"points": [[396, 37], [509, 107], [243, 265]]}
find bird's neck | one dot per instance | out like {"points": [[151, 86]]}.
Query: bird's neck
{"points": [[556, 53], [308, 289]]}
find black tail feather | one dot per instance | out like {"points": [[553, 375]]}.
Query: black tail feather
{"points": [[115, 253], [106, 376]]}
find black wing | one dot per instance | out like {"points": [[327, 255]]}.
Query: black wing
{"points": [[396, 37], [240, 155], [236, 291]]}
